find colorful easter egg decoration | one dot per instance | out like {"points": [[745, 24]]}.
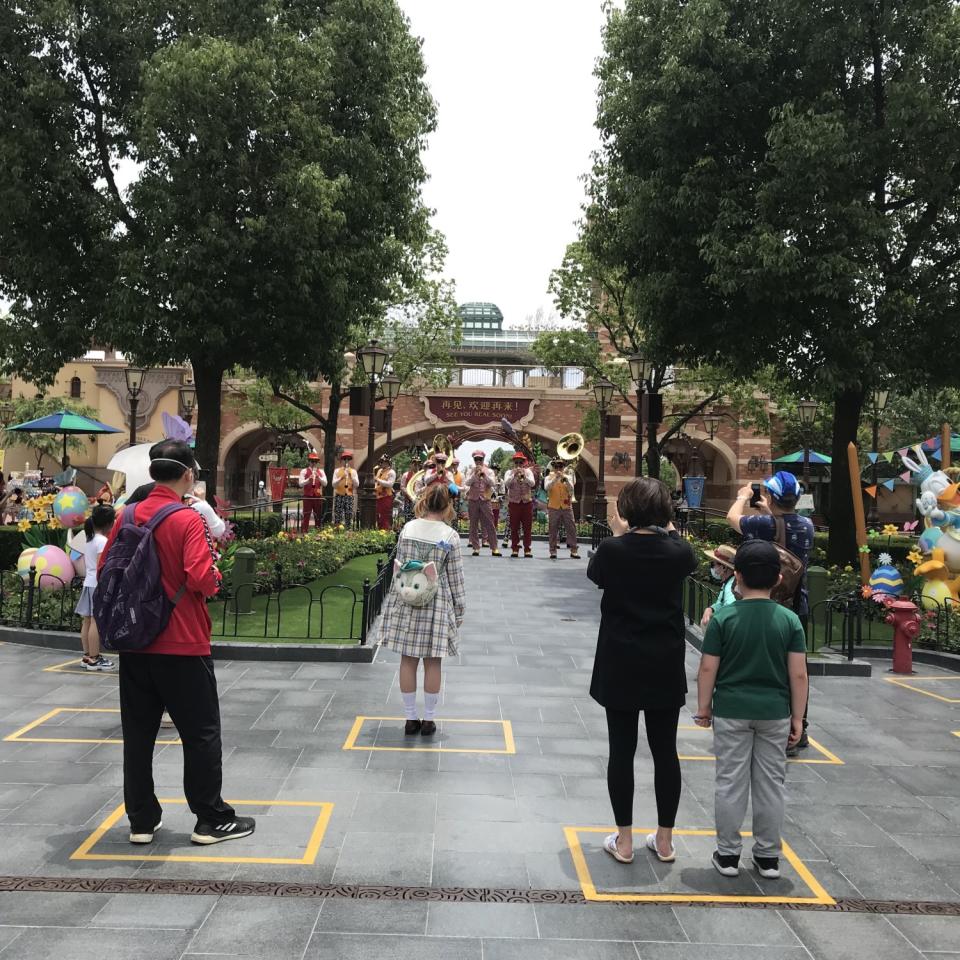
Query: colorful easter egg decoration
{"points": [[24, 561], [886, 578], [54, 569], [70, 507]]}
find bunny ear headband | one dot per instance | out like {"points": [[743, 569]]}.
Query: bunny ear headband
{"points": [[921, 469]]}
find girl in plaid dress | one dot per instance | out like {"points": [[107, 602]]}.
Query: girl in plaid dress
{"points": [[426, 633]]}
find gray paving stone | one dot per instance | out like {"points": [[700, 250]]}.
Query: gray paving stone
{"points": [[709, 925], [256, 926], [403, 859], [324, 946], [41, 909], [700, 951], [51, 943], [930, 934], [488, 920], [556, 950], [373, 917], [609, 921], [453, 869], [154, 911], [835, 936]]}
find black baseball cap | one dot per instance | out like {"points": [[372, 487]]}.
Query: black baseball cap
{"points": [[757, 554]]}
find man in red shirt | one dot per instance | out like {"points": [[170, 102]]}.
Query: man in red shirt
{"points": [[175, 672]]}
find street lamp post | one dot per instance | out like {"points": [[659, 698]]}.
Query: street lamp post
{"points": [[390, 385], [134, 377], [880, 397], [640, 371], [373, 359], [711, 422], [188, 401], [603, 393], [808, 413]]}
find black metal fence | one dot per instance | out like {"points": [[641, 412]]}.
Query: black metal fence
{"points": [[43, 602]]}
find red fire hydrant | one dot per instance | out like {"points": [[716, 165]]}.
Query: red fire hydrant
{"points": [[905, 619]]}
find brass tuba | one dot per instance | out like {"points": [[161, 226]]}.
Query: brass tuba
{"points": [[569, 448], [441, 444]]}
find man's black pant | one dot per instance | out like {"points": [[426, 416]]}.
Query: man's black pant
{"points": [[187, 688]]}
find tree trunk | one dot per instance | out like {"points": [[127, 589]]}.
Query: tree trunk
{"points": [[330, 430], [842, 546], [653, 452], [209, 381]]}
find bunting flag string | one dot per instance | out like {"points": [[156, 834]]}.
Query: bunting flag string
{"points": [[889, 484], [905, 475], [903, 451], [937, 455], [872, 490], [888, 457], [872, 457]]}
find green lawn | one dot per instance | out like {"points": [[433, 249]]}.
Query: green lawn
{"points": [[327, 610]]}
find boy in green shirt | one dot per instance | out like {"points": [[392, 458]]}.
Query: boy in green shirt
{"points": [[752, 686]]}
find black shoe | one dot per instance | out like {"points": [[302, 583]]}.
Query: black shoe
{"points": [[727, 866], [515, 554], [553, 556], [411, 727], [793, 751], [476, 553], [144, 836], [234, 829], [804, 741], [768, 867], [428, 729]]}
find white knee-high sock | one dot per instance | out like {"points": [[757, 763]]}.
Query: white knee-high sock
{"points": [[410, 705], [430, 701]]}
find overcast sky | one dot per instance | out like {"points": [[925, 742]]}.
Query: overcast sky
{"points": [[513, 80]]}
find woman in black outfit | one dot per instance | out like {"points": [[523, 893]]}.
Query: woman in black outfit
{"points": [[640, 654]]}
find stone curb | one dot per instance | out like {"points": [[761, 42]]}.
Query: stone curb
{"points": [[222, 649], [935, 658]]}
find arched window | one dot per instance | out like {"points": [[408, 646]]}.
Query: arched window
{"points": [[76, 387]]}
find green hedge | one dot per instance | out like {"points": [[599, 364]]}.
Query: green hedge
{"points": [[11, 546], [268, 525], [897, 546]]}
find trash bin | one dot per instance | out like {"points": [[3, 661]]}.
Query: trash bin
{"points": [[244, 579]]}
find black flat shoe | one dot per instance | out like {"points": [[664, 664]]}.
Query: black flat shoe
{"points": [[412, 727], [428, 728]]}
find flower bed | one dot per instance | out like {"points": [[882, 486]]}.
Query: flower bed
{"points": [[299, 560]]}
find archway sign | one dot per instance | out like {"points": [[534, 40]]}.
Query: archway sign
{"points": [[478, 411]]}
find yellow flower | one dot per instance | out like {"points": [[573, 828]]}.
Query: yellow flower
{"points": [[890, 530], [914, 556], [848, 569], [41, 516], [53, 523], [23, 526]]}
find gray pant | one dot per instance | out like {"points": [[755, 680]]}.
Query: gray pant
{"points": [[751, 760]]}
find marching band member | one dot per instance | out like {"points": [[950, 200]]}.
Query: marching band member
{"points": [[384, 479], [416, 464], [345, 486], [520, 484], [312, 482], [559, 489], [480, 484], [435, 472]]}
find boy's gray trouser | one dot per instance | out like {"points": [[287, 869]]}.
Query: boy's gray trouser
{"points": [[751, 758]]}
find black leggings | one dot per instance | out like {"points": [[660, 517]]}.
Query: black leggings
{"points": [[662, 738]]}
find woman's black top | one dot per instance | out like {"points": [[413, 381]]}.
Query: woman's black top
{"points": [[641, 645]]}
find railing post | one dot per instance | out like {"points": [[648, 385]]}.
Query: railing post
{"points": [[365, 612], [31, 591], [278, 569]]}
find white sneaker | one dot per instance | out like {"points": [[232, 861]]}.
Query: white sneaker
{"points": [[145, 837]]}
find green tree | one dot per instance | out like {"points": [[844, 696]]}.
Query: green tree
{"points": [[275, 155], [610, 327], [43, 445], [781, 182]]}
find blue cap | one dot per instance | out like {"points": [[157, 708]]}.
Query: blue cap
{"points": [[783, 485]]}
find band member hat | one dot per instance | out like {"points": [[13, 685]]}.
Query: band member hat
{"points": [[313, 456], [519, 456], [346, 455], [385, 458], [479, 455]]}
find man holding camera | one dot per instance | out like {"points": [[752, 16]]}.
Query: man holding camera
{"points": [[773, 517]]}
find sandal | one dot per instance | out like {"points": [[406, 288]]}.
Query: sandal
{"points": [[652, 845], [610, 845]]}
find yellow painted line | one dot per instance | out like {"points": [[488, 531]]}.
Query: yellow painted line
{"points": [[509, 744], [829, 758], [820, 895], [18, 735], [926, 693], [310, 854], [64, 668]]}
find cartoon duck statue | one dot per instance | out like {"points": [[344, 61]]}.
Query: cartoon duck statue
{"points": [[939, 505], [939, 588]]}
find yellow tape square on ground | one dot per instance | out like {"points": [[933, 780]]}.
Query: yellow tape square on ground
{"points": [[908, 685], [826, 756], [818, 894], [70, 666], [509, 746], [19, 736], [83, 852]]}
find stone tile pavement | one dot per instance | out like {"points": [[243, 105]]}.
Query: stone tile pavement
{"points": [[514, 805]]}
